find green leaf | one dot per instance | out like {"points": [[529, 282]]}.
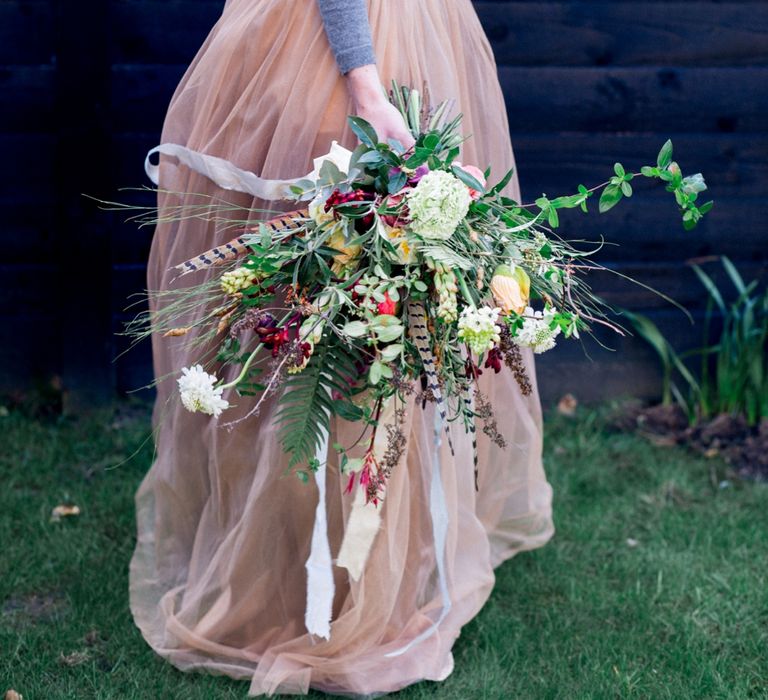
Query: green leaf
{"points": [[329, 172], [618, 168], [389, 333], [355, 329], [364, 131], [467, 179], [446, 256], [397, 182], [665, 155], [431, 141], [347, 411], [610, 197], [552, 218], [648, 171], [391, 352], [503, 182], [626, 189], [374, 375]]}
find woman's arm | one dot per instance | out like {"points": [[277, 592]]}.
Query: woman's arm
{"points": [[349, 34]]}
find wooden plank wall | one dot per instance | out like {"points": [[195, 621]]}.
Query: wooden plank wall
{"points": [[82, 97]]}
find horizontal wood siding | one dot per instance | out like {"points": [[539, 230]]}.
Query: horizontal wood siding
{"points": [[586, 83]]}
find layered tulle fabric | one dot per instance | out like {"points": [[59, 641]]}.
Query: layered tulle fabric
{"points": [[217, 581]]}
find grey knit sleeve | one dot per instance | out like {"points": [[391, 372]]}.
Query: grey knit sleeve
{"points": [[349, 32]]}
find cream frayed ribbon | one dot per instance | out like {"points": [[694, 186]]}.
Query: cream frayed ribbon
{"points": [[364, 521], [320, 586], [229, 177]]}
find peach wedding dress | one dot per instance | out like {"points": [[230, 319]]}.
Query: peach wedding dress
{"points": [[217, 581]]}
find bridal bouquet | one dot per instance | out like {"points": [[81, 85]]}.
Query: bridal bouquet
{"points": [[400, 270]]}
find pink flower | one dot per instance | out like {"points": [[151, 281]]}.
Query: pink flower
{"points": [[476, 173]]}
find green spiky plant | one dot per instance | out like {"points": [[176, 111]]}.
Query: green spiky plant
{"points": [[733, 370]]}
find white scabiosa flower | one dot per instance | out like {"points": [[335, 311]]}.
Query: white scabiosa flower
{"points": [[437, 205], [477, 327], [536, 332], [199, 392]]}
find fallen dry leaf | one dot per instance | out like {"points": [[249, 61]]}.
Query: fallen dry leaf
{"points": [[64, 511], [11, 694], [567, 405]]}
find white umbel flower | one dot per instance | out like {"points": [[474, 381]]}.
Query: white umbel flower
{"points": [[477, 327], [199, 392], [536, 332], [437, 205]]}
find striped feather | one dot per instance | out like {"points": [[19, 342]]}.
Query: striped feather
{"points": [[417, 323], [238, 246], [469, 407]]}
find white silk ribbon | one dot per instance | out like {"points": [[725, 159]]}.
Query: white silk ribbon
{"points": [[438, 509], [229, 177], [320, 586]]}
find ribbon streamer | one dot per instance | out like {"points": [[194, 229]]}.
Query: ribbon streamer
{"points": [[438, 510], [229, 177], [320, 586], [365, 519]]}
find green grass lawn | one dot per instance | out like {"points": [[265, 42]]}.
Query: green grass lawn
{"points": [[655, 585]]}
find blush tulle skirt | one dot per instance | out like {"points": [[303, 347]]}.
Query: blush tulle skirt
{"points": [[217, 580]]}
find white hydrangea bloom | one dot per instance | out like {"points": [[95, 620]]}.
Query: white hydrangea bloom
{"points": [[478, 328], [199, 392], [536, 333], [438, 204]]}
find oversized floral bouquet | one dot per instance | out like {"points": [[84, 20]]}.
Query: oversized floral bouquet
{"points": [[405, 271]]}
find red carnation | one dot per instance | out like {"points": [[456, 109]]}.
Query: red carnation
{"points": [[388, 307]]}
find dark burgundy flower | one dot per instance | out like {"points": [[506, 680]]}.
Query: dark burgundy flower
{"points": [[494, 359], [338, 198], [273, 338], [471, 369]]}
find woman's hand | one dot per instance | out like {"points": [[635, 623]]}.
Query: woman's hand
{"points": [[371, 104]]}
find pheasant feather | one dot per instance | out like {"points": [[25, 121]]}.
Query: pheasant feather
{"points": [[239, 246]]}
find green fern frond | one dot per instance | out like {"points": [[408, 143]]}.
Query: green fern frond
{"points": [[307, 403]]}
